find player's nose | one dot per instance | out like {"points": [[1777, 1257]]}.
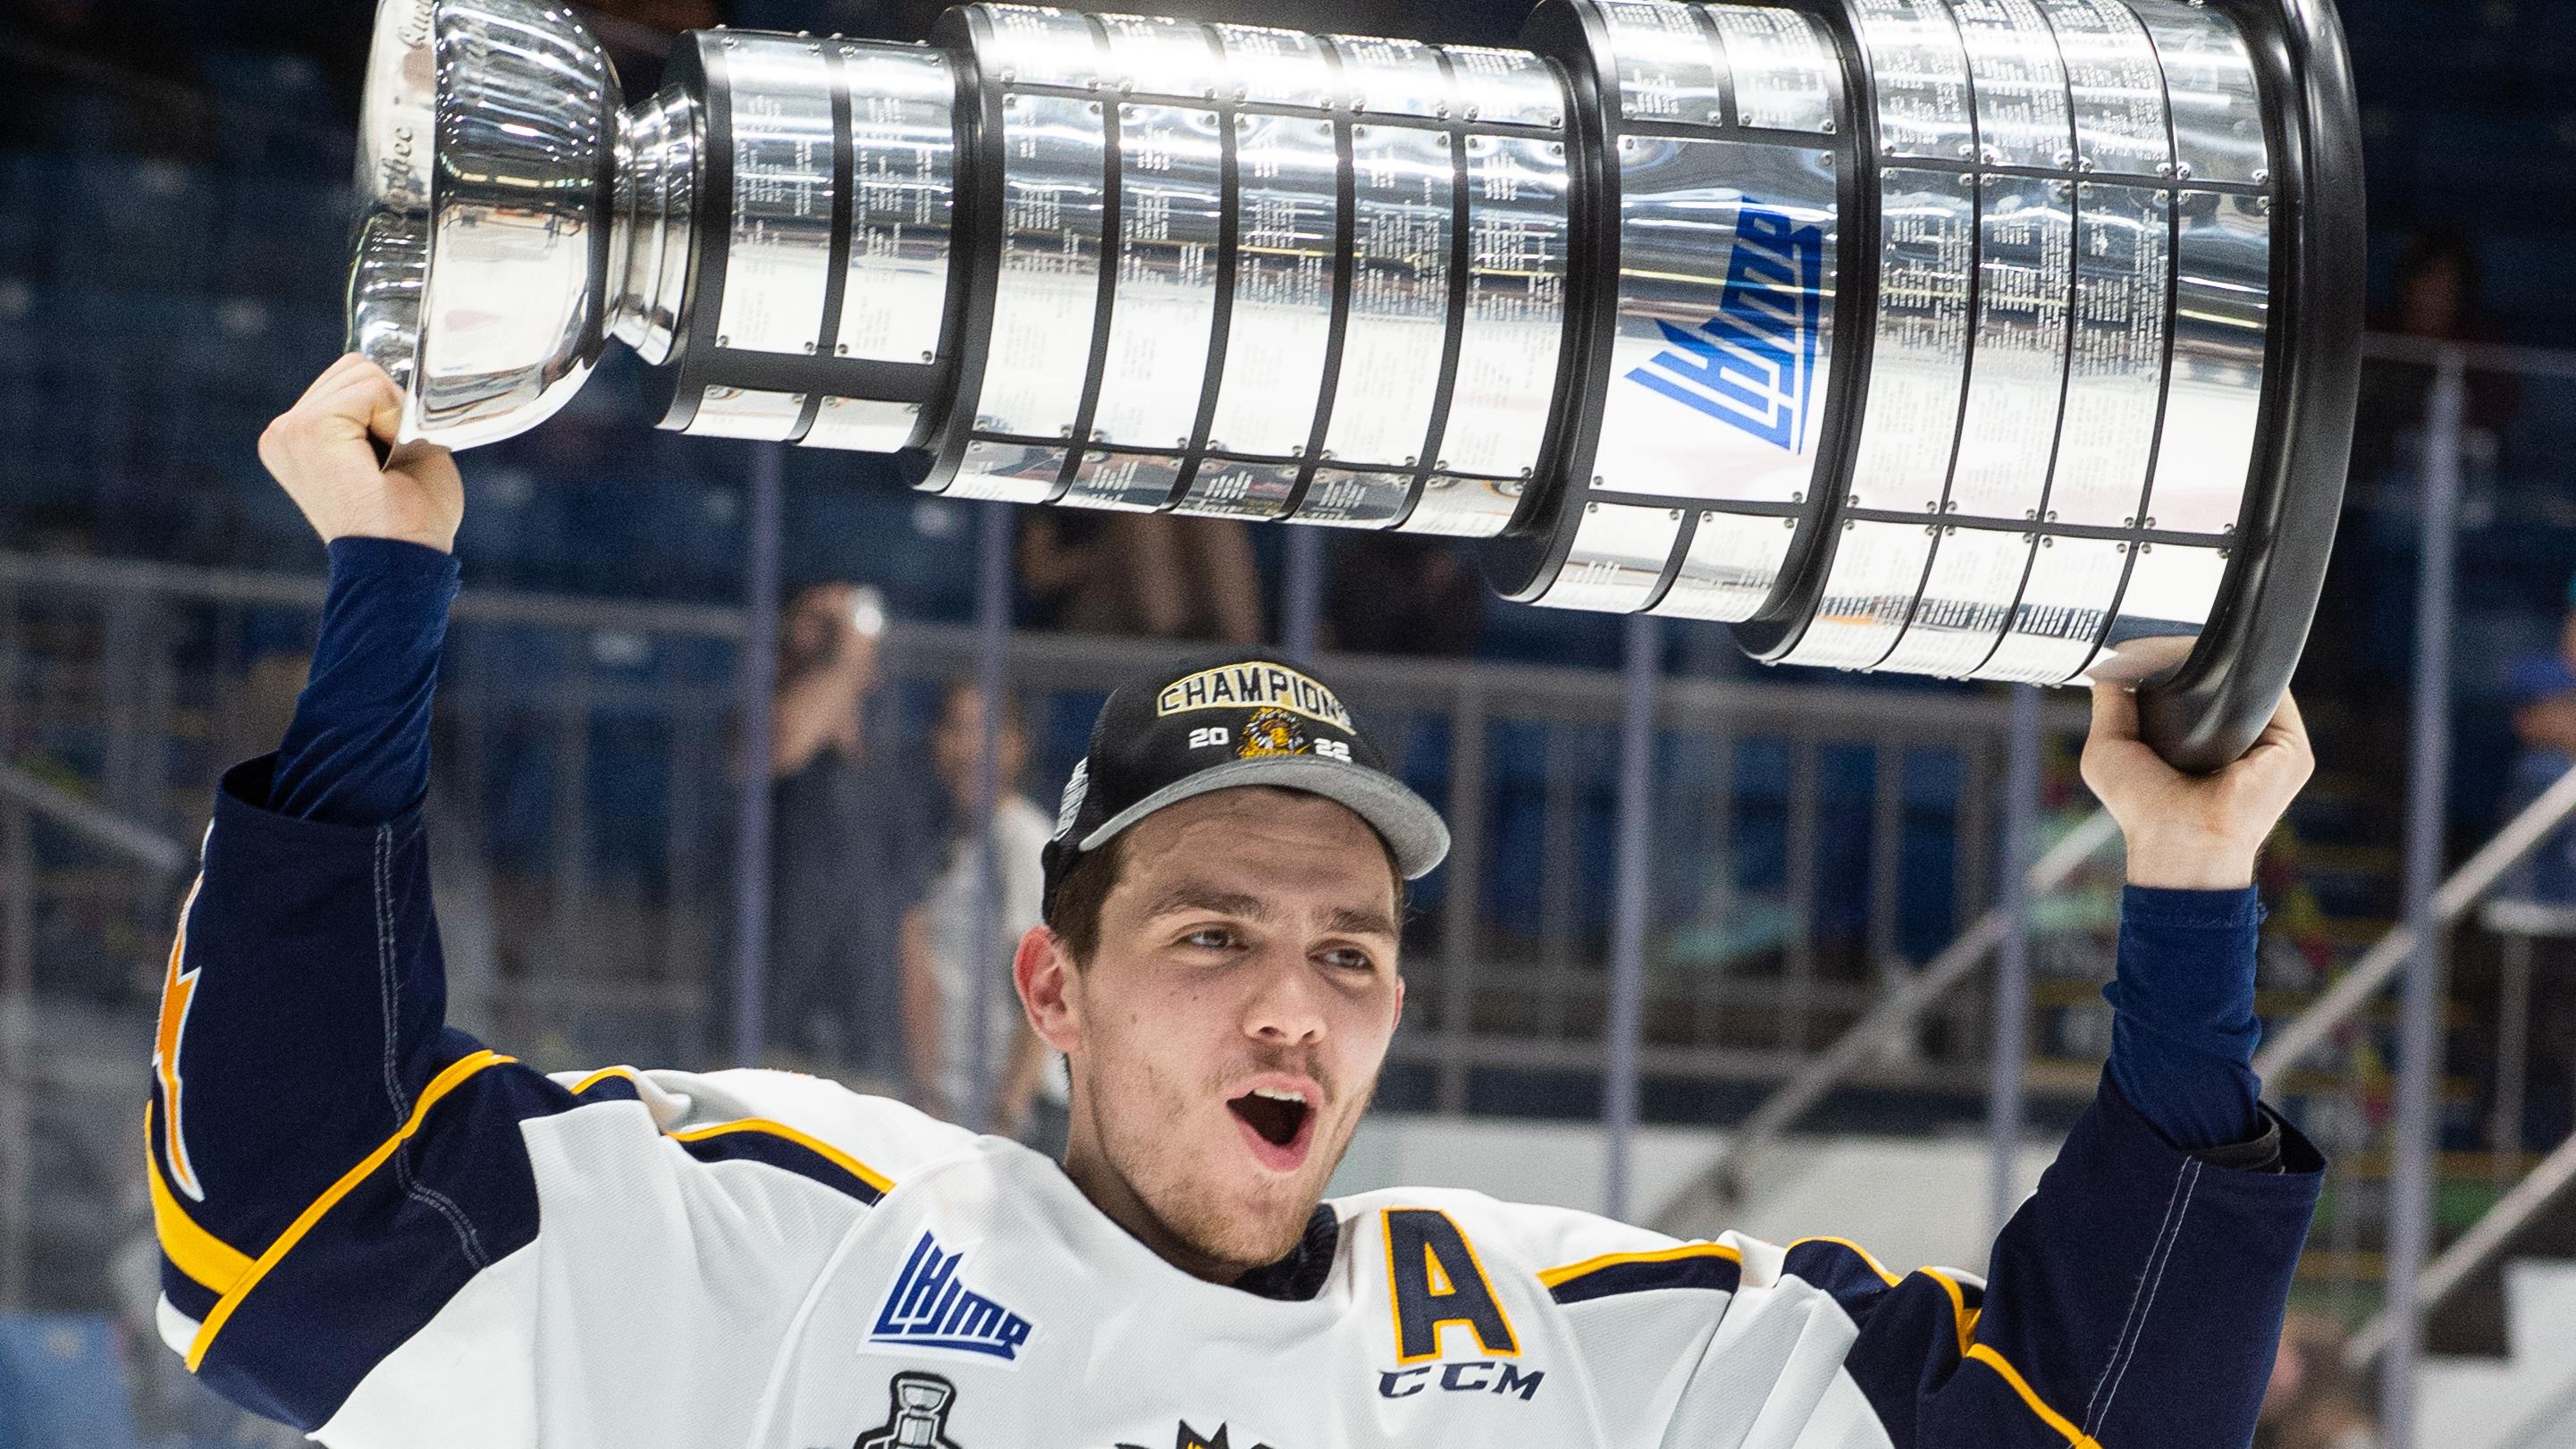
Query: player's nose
{"points": [[1286, 1004]]}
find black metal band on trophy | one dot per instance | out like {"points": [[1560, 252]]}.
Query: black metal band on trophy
{"points": [[1999, 339]]}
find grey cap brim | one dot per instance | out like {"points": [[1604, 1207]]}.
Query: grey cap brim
{"points": [[1406, 821]]}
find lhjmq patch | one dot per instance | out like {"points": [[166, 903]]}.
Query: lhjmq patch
{"points": [[917, 1417]]}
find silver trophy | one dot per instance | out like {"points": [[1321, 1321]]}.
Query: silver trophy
{"points": [[1996, 339]]}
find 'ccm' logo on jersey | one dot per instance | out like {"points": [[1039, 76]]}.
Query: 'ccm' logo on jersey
{"points": [[930, 1306], [1752, 366], [1434, 1279]]}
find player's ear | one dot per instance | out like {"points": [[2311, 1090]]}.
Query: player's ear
{"points": [[1043, 971]]}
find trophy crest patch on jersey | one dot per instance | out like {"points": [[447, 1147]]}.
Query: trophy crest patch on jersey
{"points": [[1271, 732], [917, 1417]]}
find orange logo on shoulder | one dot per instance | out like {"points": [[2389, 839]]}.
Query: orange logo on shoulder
{"points": [[178, 993]]}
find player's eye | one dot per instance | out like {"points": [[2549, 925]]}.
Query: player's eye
{"points": [[1210, 938], [1347, 958]]}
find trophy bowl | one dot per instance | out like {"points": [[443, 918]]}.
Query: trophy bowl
{"points": [[1991, 339]]}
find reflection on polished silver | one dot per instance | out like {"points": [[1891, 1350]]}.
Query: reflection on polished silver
{"points": [[1277, 67], [1878, 570], [1667, 69], [1037, 45], [1717, 375], [1926, 267], [863, 425], [1515, 320], [1392, 77], [1731, 567], [1783, 67], [2020, 81], [1008, 472], [2221, 320], [649, 261], [1136, 482], [1046, 296], [2217, 106], [2170, 593], [2064, 605], [1617, 559], [1226, 488], [2121, 127], [778, 262], [1355, 498], [1399, 314], [2115, 380], [737, 412], [2025, 282], [475, 284], [903, 202], [1143, 263], [1283, 285], [1171, 206], [1920, 78], [1975, 573], [1505, 87]]}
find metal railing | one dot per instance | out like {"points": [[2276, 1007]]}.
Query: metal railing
{"points": [[24, 800]]}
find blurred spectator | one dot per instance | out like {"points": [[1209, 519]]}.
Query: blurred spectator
{"points": [[1397, 594], [944, 975], [2313, 1401], [1151, 574], [847, 826], [2439, 298]]}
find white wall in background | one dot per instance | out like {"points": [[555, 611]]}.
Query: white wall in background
{"points": [[1909, 1201]]}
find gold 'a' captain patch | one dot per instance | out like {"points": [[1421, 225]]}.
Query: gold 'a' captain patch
{"points": [[1237, 686]]}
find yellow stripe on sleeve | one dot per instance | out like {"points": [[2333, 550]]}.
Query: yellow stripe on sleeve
{"points": [[212, 1263], [1551, 1277], [2075, 1438], [830, 1153], [444, 1083]]}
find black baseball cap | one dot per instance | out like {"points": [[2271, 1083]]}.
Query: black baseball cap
{"points": [[1223, 720]]}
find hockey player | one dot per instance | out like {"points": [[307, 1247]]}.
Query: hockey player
{"points": [[381, 1230]]}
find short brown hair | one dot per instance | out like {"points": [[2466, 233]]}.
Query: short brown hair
{"points": [[1074, 911]]}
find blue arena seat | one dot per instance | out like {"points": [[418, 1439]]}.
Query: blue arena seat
{"points": [[63, 1384]]}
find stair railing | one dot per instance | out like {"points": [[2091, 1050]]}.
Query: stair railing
{"points": [[1887, 1022], [2466, 886]]}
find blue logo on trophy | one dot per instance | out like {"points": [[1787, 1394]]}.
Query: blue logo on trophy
{"points": [[1753, 365]]}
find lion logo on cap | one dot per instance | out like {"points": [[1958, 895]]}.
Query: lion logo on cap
{"points": [[1271, 732]]}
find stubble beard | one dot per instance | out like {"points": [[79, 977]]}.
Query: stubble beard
{"points": [[1199, 1216]]}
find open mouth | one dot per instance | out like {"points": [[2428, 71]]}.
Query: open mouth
{"points": [[1275, 1124]]}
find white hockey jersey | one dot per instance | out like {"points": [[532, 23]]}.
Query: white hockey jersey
{"points": [[398, 1239]]}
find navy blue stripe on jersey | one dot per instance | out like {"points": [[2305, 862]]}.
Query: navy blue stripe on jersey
{"points": [[776, 1146], [185, 1293], [382, 1259], [1711, 1268]]}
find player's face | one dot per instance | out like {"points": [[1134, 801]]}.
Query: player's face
{"points": [[1226, 1034]]}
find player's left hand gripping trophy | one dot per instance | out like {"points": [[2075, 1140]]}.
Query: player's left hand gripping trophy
{"points": [[2008, 339]]}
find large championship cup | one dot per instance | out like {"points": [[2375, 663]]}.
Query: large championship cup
{"points": [[1997, 339]]}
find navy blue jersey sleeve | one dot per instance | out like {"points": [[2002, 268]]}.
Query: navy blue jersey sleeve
{"points": [[2182, 1028], [357, 751], [2135, 1298], [313, 1125]]}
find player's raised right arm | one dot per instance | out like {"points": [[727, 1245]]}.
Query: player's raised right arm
{"points": [[347, 1192]]}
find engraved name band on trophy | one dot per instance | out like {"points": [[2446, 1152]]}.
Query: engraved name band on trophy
{"points": [[1998, 339]]}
